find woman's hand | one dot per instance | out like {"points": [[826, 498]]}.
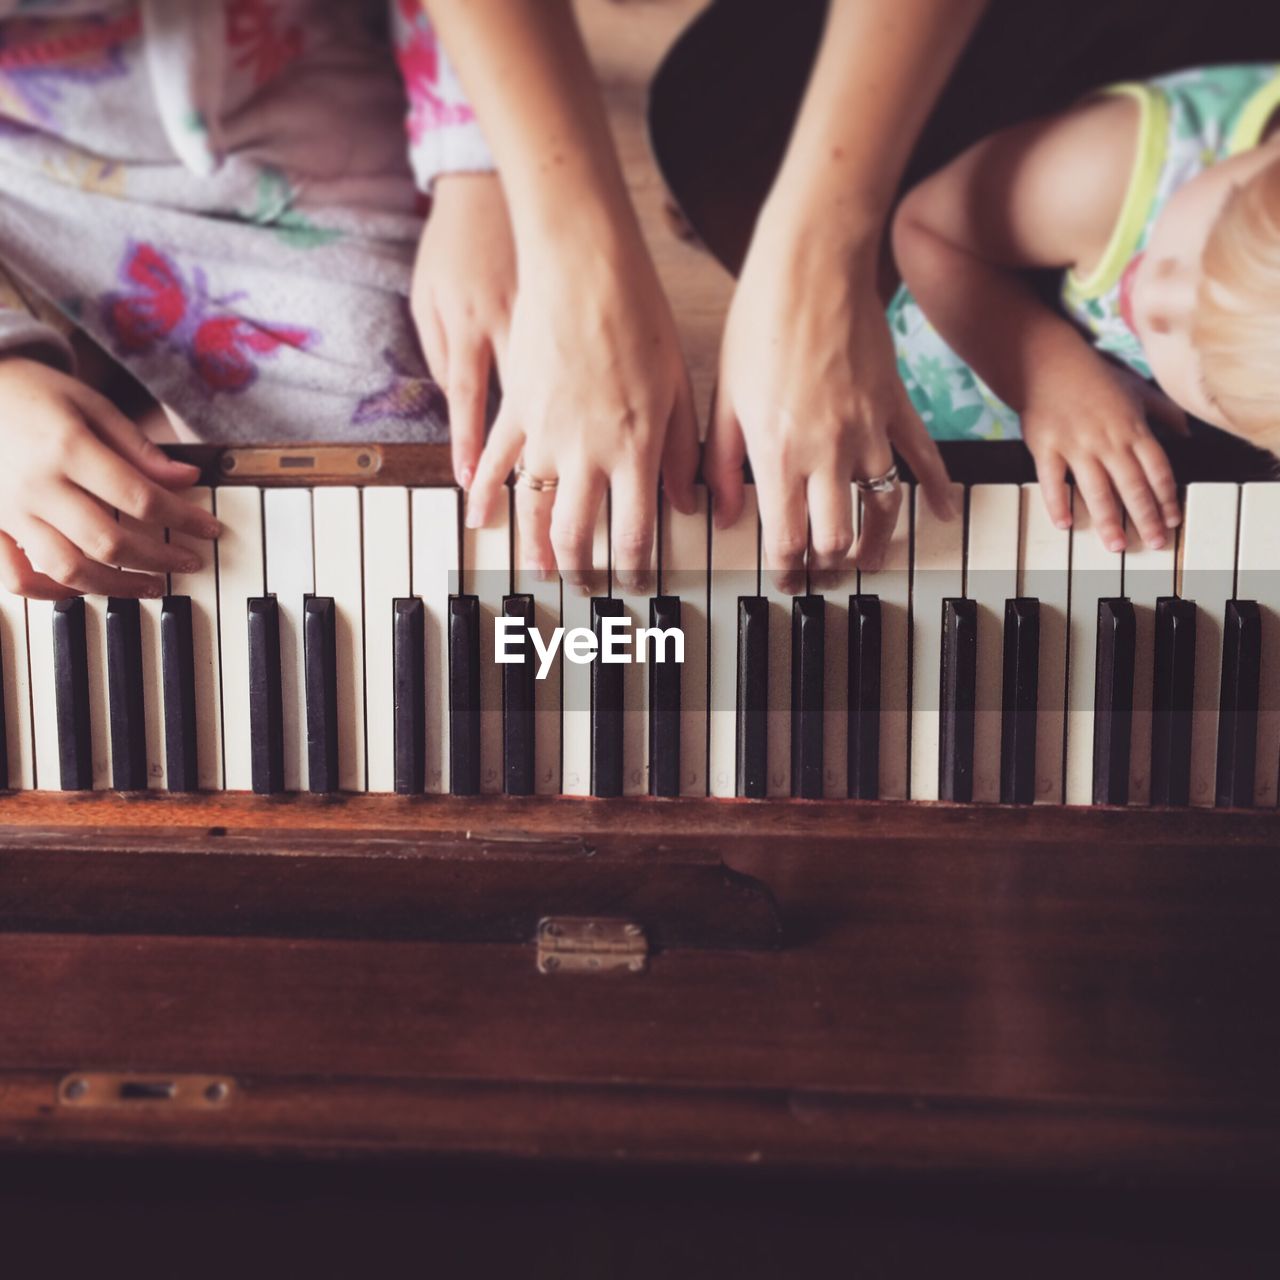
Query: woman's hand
{"points": [[1092, 421], [595, 396], [464, 286], [71, 460], [808, 382]]}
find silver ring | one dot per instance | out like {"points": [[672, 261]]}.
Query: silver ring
{"points": [[886, 483], [536, 484]]}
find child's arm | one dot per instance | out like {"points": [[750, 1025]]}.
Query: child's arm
{"points": [[1043, 194], [70, 459]]}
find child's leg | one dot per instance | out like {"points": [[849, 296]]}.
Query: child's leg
{"points": [[954, 403]]}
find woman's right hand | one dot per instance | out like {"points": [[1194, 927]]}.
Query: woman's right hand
{"points": [[596, 397], [71, 460]]}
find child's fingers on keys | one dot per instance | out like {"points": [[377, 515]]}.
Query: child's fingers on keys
{"points": [[500, 454], [1051, 472], [1155, 462], [573, 527], [59, 559], [92, 528], [784, 528], [830, 495], [879, 520], [1094, 486], [117, 431], [468, 393], [1135, 492], [114, 480], [633, 510], [18, 576]]}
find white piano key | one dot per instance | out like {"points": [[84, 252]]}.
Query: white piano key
{"points": [[735, 571], [991, 578], [836, 586], [1044, 573], [16, 679], [1095, 574], [778, 718], [1206, 574], [683, 558], [436, 576], [386, 577], [240, 578], [937, 572], [44, 695], [635, 684], [1148, 575], [576, 676], [1258, 578], [340, 575], [892, 584], [286, 517], [153, 675], [486, 567]]}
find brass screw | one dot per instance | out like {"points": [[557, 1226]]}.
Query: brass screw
{"points": [[75, 1090], [216, 1092]]}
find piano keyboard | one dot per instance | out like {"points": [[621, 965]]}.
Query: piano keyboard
{"points": [[342, 639]]}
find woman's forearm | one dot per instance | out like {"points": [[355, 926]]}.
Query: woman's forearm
{"points": [[878, 74], [528, 77]]}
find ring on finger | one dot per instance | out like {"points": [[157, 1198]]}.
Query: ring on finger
{"points": [[885, 483], [537, 484]]}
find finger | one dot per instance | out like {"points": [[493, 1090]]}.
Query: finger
{"points": [[1051, 472], [1130, 481], [920, 452], [879, 521], [88, 525], [533, 530], [1155, 462], [573, 528], [1094, 485], [118, 483], [830, 498], [18, 576], [680, 451], [722, 461], [784, 528], [434, 346], [56, 557], [123, 438], [633, 509], [489, 485], [468, 396]]}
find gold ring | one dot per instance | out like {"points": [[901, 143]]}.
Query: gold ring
{"points": [[886, 483], [537, 484]]}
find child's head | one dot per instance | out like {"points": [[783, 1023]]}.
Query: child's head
{"points": [[1236, 327]]}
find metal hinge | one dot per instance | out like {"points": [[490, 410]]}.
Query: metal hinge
{"points": [[586, 944], [96, 1090]]}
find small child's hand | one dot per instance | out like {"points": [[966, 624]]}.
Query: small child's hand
{"points": [[464, 286], [1093, 424], [71, 460]]}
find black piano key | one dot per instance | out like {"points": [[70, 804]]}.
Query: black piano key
{"points": [[864, 697], [4, 728], [1113, 700], [606, 706], [1019, 700], [1174, 676], [320, 663], [178, 674], [1238, 708], [517, 702], [409, 696], [464, 695], [125, 696], [664, 703], [71, 692], [958, 691], [266, 705], [808, 622], [753, 696]]}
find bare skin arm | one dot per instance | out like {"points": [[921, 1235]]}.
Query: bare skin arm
{"points": [[1043, 194]]}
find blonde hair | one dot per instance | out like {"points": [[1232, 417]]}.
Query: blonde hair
{"points": [[1237, 325]]}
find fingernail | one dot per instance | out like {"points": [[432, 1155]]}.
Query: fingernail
{"points": [[153, 590], [1116, 544], [190, 565], [473, 520], [465, 477], [1062, 524], [1156, 544], [211, 528], [1172, 522]]}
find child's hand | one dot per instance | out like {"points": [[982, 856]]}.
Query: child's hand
{"points": [[70, 461], [1093, 423], [464, 285]]}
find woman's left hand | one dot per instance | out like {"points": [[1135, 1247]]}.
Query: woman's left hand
{"points": [[464, 286]]}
